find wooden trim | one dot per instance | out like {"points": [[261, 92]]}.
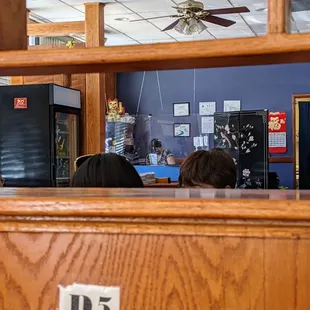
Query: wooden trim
{"points": [[56, 29], [270, 49], [95, 94], [285, 159], [114, 207], [279, 16]]}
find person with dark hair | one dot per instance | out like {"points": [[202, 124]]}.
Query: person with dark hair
{"points": [[106, 170], [163, 156], [208, 169]]}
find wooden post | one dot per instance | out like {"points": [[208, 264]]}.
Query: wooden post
{"points": [[13, 25], [94, 129], [19, 80], [279, 16]]}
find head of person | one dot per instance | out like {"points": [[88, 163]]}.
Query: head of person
{"points": [[156, 146], [106, 170], [1, 181], [208, 169]]}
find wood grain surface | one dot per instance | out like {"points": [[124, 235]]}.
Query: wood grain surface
{"points": [[269, 49], [279, 16], [95, 92], [55, 29], [13, 28], [156, 272], [250, 250]]}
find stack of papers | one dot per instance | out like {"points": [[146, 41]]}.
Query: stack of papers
{"points": [[148, 178]]}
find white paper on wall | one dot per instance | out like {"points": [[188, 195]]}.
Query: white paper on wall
{"points": [[206, 141], [207, 108], [207, 124], [89, 297], [232, 105]]}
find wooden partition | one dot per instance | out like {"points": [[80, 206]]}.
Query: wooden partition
{"points": [[166, 249]]}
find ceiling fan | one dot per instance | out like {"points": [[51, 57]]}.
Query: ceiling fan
{"points": [[191, 13]]}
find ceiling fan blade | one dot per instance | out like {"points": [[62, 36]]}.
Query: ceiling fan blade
{"points": [[142, 19], [218, 20], [240, 9], [171, 26]]}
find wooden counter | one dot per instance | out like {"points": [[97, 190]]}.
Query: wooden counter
{"points": [[167, 249]]}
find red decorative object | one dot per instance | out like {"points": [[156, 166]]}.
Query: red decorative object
{"points": [[20, 103], [277, 132]]}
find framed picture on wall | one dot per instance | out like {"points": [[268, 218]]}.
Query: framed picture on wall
{"points": [[181, 129], [181, 109]]}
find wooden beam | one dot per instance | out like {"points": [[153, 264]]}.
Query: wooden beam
{"points": [[270, 49], [279, 16], [94, 129], [55, 29], [285, 159], [13, 25]]}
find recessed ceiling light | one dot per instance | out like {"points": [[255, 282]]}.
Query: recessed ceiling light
{"points": [[122, 19], [261, 10]]}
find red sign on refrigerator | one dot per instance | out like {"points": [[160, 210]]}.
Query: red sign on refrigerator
{"points": [[277, 132], [20, 103]]}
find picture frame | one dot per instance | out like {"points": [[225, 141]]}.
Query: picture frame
{"points": [[181, 109], [182, 130], [207, 108]]}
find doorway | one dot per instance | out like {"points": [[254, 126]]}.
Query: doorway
{"points": [[301, 145]]}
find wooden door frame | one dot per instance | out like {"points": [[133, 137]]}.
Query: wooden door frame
{"points": [[294, 98]]}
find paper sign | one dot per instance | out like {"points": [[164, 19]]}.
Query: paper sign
{"points": [[232, 105], [89, 297], [207, 108], [207, 124], [206, 141], [20, 103]]}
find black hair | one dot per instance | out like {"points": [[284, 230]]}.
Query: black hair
{"points": [[155, 143], [215, 168], [106, 170]]}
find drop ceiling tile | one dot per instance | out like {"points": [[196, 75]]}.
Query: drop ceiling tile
{"points": [[255, 19], [186, 38], [119, 39], [81, 2], [143, 6], [236, 33], [41, 4], [215, 3], [111, 8], [301, 16], [169, 40], [58, 12], [138, 30], [114, 20]]}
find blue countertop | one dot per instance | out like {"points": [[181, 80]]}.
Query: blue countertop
{"points": [[171, 172]]}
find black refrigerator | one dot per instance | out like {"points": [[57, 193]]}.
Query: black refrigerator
{"points": [[39, 134]]}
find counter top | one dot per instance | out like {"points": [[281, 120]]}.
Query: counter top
{"points": [[156, 203]]}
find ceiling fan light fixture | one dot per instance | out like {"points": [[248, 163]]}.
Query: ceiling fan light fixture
{"points": [[187, 31], [180, 26], [193, 25], [201, 27]]}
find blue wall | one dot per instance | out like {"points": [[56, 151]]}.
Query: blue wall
{"points": [[258, 87]]}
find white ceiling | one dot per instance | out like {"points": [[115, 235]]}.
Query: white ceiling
{"points": [[126, 33]]}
